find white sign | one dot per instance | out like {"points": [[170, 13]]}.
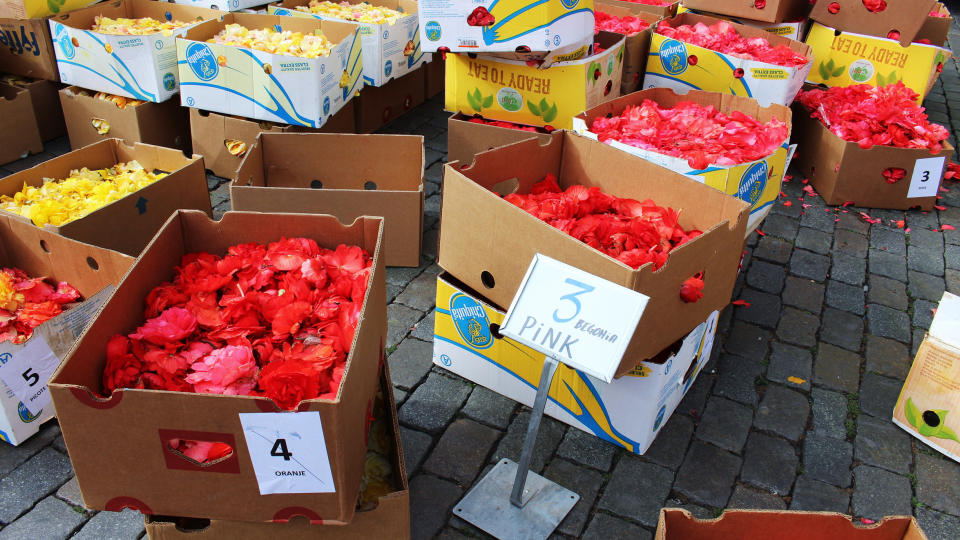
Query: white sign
{"points": [[926, 177], [573, 316], [27, 370], [288, 452]]}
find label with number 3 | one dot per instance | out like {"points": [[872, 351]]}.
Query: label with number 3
{"points": [[926, 177], [288, 452]]}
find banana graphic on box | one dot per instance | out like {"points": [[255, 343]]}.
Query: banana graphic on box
{"points": [[354, 70], [515, 18]]}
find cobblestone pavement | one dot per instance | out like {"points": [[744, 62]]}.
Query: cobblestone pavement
{"points": [[834, 301]]}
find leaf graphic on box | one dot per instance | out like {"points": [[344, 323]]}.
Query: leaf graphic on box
{"points": [[53, 6], [947, 433], [550, 114], [911, 412], [839, 71], [824, 73], [473, 102], [533, 108], [477, 95], [488, 101], [543, 106], [880, 80], [830, 65], [892, 78]]}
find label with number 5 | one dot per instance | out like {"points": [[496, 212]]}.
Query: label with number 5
{"points": [[288, 452], [27, 370]]}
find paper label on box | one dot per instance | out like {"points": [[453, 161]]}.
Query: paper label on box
{"points": [[946, 322], [926, 177], [26, 372], [288, 452]]}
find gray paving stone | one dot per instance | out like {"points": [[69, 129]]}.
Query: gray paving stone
{"points": [[780, 226], [827, 459], [400, 319], [926, 238], [434, 403], [696, 398], [836, 369], [751, 499], [50, 519], [415, 447], [489, 407], [769, 463], [952, 254], [773, 249], [725, 424], [852, 222], [798, 327], [829, 413], [397, 275], [707, 474], [461, 451], [421, 293], [889, 240], [12, 456], [818, 219], [430, 501], [882, 444], [842, 329], [747, 340], [812, 496], [548, 438], [845, 297], [764, 308], [423, 330], [636, 490], [952, 281], [848, 269], [928, 260], [450, 533], [735, 378], [878, 395], [887, 357], [70, 493], [587, 449], [813, 240], [938, 483], [809, 265], [604, 527], [803, 293], [791, 366], [850, 243], [888, 265], [392, 292], [671, 443], [783, 411], [766, 277], [937, 525], [410, 363], [583, 482], [923, 313], [126, 524], [878, 493], [888, 292], [887, 322], [32, 481]]}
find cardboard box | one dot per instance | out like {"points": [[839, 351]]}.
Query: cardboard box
{"points": [[936, 29], [906, 18], [224, 5], [334, 174], [92, 270], [841, 171], [30, 9], [495, 268], [932, 389], [755, 182], [660, 11], [795, 29], [679, 524], [128, 224], [26, 49], [140, 67], [517, 24], [466, 139], [669, 66], [272, 87], [46, 105], [628, 412], [118, 444], [162, 124], [771, 11], [389, 519], [849, 58], [377, 106], [390, 51], [434, 73], [211, 132], [16, 108], [511, 90], [636, 46]]}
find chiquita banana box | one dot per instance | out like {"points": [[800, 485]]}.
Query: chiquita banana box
{"points": [[683, 66], [513, 91], [223, 5], [788, 29], [845, 58], [628, 412], [505, 25], [280, 88], [390, 49], [30, 9]]}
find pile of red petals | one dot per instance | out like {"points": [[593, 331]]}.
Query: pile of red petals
{"points": [[870, 115], [894, 174], [723, 37], [701, 135], [875, 6], [26, 303], [626, 25], [477, 119], [271, 320], [633, 232], [480, 17], [953, 171], [936, 13]]}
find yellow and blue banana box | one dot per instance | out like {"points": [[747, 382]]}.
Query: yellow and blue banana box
{"points": [[139, 67], [513, 91], [794, 30], [846, 58], [628, 412], [389, 50], [30, 9], [273, 87], [756, 182], [222, 5], [683, 66], [505, 25]]}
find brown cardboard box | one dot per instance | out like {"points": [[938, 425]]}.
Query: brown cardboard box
{"points": [[16, 109], [379, 105], [434, 77], [465, 139], [347, 176], [389, 519], [162, 124], [907, 18], [841, 171], [118, 444], [773, 11], [488, 243], [210, 132], [46, 107], [636, 46], [660, 11], [126, 225], [26, 49], [936, 29], [679, 524]]}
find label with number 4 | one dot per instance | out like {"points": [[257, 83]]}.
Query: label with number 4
{"points": [[926, 177], [27, 371], [288, 452]]}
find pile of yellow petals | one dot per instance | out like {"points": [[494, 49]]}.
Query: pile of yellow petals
{"points": [[15, 80], [270, 41], [135, 27], [121, 102], [10, 299], [61, 201], [363, 12]]}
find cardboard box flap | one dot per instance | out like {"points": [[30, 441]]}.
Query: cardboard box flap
{"points": [[405, 6], [904, 17], [333, 30], [624, 9], [946, 323], [83, 19], [745, 31]]}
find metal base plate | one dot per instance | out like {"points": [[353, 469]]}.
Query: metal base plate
{"points": [[487, 506]]}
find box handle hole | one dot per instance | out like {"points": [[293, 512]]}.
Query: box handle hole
{"points": [[487, 279]]}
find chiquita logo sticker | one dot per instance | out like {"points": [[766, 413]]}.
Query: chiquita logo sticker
{"points": [[202, 61], [673, 56], [471, 321], [752, 182]]}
